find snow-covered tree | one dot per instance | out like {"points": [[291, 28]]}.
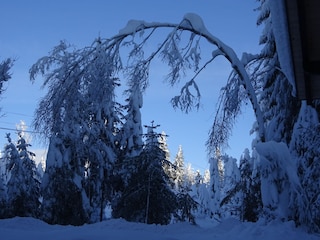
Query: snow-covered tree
{"points": [[206, 176], [279, 106], [130, 136], [79, 115], [179, 173], [3, 198], [63, 196], [250, 189], [148, 196], [279, 180], [58, 118], [102, 129], [215, 187], [167, 165], [74, 69], [164, 145], [184, 178], [230, 199], [131, 132], [3, 191], [5, 75], [186, 207], [256, 78], [305, 147], [182, 56], [23, 185], [189, 177]]}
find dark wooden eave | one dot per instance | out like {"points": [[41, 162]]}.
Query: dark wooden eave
{"points": [[303, 18]]}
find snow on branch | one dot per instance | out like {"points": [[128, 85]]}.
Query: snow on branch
{"points": [[179, 53], [4, 72], [187, 99], [181, 58]]}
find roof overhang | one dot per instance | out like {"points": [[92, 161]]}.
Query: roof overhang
{"points": [[303, 19]]}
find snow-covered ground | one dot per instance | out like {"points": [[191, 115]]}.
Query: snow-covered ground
{"points": [[29, 228]]}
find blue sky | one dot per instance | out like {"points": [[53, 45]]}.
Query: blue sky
{"points": [[30, 29]]}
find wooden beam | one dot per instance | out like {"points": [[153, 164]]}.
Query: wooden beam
{"points": [[296, 47]]}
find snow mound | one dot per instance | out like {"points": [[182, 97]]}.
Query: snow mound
{"points": [[132, 27], [195, 22]]}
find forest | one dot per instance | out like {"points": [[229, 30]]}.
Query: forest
{"points": [[99, 160]]}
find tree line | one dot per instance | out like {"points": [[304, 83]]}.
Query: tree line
{"points": [[97, 156]]}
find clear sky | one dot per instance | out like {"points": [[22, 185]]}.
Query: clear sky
{"points": [[30, 29]]}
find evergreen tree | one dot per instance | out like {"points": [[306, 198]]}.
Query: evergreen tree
{"points": [[251, 206], [230, 199], [179, 173], [189, 177], [279, 106], [215, 187], [5, 75], [23, 186], [59, 116], [305, 147], [206, 176], [183, 181], [131, 137], [280, 110], [168, 167], [164, 146], [200, 193], [186, 206], [148, 197], [102, 130], [63, 201], [3, 195]]}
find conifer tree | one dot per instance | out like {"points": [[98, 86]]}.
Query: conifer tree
{"points": [[5, 75], [131, 132], [23, 187], [215, 187], [305, 147], [186, 201], [63, 195], [164, 146], [279, 106], [148, 196], [251, 206], [280, 110], [129, 137], [230, 199], [179, 173], [3, 195]]}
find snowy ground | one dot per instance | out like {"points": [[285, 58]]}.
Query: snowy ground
{"points": [[29, 228]]}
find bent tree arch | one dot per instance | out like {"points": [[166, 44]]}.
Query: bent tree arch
{"points": [[179, 58], [180, 50]]}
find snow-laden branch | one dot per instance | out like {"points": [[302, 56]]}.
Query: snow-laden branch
{"points": [[5, 75], [63, 65], [194, 24]]}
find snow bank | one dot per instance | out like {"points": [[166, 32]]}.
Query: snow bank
{"points": [[29, 228], [278, 176]]}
